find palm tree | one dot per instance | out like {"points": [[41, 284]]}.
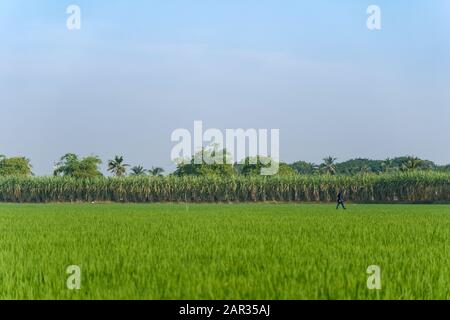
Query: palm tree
{"points": [[411, 163], [388, 165], [329, 165], [156, 172], [138, 171], [365, 169], [117, 167]]}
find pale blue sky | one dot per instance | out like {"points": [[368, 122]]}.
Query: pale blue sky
{"points": [[137, 70]]}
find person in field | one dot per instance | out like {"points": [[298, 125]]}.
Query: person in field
{"points": [[340, 201]]}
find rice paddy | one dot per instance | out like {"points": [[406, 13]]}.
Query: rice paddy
{"points": [[217, 251]]}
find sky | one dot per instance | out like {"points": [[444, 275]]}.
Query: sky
{"points": [[138, 70]]}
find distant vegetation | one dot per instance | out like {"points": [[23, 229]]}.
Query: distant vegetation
{"points": [[404, 179], [71, 165], [399, 187], [363, 166]]}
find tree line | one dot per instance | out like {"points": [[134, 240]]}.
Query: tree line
{"points": [[72, 165]]}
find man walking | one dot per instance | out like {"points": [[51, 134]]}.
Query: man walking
{"points": [[340, 201]]}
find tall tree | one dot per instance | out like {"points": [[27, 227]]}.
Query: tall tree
{"points": [[138, 171], [358, 165], [303, 167], [16, 166], [156, 171], [388, 165], [412, 163], [117, 166], [208, 161], [252, 166], [71, 165], [329, 165]]}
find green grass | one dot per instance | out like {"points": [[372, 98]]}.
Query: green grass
{"points": [[224, 251]]}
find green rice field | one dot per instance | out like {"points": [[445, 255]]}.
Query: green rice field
{"points": [[218, 251]]}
